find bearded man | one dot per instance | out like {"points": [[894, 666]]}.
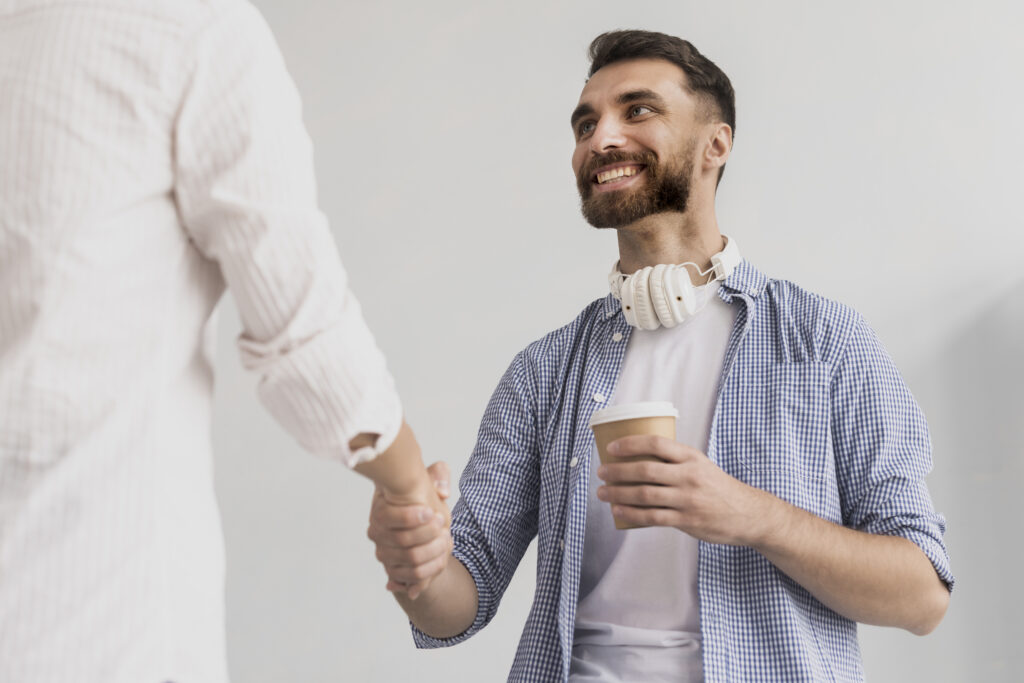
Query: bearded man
{"points": [[791, 504]]}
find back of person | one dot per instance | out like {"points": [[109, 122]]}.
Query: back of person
{"points": [[111, 559]]}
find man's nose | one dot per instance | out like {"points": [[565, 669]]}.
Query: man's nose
{"points": [[609, 134]]}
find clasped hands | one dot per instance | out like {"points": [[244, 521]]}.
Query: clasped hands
{"points": [[413, 539], [683, 489]]}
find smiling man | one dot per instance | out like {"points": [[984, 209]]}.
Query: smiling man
{"points": [[791, 504]]}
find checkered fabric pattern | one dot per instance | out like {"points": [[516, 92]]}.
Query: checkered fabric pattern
{"points": [[810, 408]]}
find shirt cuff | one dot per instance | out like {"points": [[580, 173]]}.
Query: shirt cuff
{"points": [[328, 388], [386, 426], [926, 533], [483, 607], [935, 551]]}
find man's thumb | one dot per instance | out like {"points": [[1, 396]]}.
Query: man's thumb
{"points": [[440, 475]]}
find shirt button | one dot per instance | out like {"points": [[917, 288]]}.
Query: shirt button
{"points": [[575, 461], [610, 313], [617, 336], [599, 397]]}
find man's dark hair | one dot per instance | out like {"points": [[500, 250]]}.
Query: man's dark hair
{"points": [[703, 77]]}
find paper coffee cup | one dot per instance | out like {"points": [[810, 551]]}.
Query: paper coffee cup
{"points": [[629, 419]]}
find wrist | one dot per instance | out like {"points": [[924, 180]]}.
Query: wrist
{"points": [[769, 520], [413, 487], [398, 470]]}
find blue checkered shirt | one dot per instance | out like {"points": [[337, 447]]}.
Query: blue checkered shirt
{"points": [[810, 407]]}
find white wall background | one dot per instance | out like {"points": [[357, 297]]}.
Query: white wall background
{"points": [[879, 160]]}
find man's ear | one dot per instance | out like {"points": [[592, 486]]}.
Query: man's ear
{"points": [[718, 147]]}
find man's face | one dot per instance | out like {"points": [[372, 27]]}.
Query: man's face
{"points": [[635, 129]]}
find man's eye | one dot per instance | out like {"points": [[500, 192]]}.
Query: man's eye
{"points": [[639, 110], [586, 127]]}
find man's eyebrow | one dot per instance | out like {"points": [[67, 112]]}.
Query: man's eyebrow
{"points": [[642, 94], [579, 112]]}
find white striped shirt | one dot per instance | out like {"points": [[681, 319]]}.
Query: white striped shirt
{"points": [[150, 154]]}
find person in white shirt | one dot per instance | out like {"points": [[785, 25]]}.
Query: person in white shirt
{"points": [[152, 155]]}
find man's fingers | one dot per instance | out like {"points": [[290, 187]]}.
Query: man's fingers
{"points": [[413, 575], [413, 591], [642, 471], [417, 589], [421, 554], [641, 496], [406, 538], [388, 516], [649, 444], [644, 517]]}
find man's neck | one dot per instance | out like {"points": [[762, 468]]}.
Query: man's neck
{"points": [[670, 238]]}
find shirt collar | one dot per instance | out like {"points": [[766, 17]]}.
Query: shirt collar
{"points": [[745, 279], [609, 307]]}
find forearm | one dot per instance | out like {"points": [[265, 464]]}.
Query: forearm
{"points": [[873, 579], [399, 470], [448, 606]]}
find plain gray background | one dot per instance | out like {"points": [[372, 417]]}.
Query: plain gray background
{"points": [[879, 161]]}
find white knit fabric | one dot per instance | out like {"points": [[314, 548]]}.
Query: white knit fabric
{"points": [[150, 153]]}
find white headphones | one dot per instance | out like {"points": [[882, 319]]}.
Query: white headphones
{"points": [[663, 294]]}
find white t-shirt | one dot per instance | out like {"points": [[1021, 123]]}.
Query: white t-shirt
{"points": [[638, 617]]}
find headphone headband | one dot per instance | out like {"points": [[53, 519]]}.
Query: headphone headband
{"points": [[725, 261]]}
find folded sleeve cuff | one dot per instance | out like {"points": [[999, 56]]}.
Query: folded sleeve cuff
{"points": [[483, 608], [328, 388], [925, 532]]}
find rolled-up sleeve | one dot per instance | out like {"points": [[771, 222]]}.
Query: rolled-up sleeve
{"points": [[246, 192], [496, 516], [883, 450]]}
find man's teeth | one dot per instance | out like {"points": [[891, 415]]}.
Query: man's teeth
{"points": [[616, 173]]}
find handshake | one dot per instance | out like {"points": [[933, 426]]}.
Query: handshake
{"points": [[410, 525], [409, 520], [412, 532]]}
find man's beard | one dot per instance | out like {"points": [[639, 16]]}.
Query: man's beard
{"points": [[666, 188]]}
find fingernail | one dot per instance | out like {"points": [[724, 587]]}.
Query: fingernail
{"points": [[439, 517], [426, 514], [442, 486], [613, 447]]}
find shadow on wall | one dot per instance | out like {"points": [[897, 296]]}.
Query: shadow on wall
{"points": [[973, 395]]}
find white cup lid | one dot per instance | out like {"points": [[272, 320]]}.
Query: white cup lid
{"points": [[632, 411]]}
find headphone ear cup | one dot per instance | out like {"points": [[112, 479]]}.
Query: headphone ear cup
{"points": [[628, 305], [659, 296], [688, 293], [681, 297], [646, 318]]}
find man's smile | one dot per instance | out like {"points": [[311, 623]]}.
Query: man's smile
{"points": [[616, 175]]}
